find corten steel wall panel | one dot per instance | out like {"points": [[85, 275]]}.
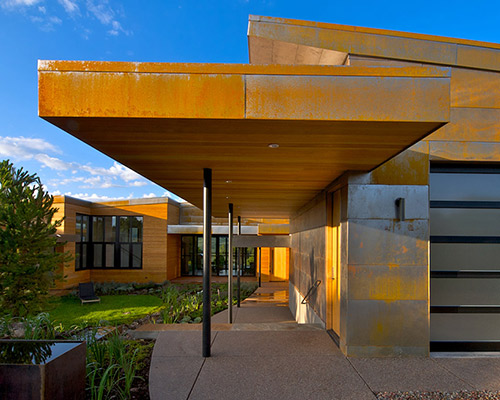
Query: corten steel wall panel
{"points": [[385, 295], [472, 88], [313, 216], [388, 242], [478, 57], [347, 98], [368, 42], [387, 328], [388, 282], [358, 43], [360, 61], [369, 201], [470, 125], [464, 151], [104, 94], [308, 253], [411, 167]]}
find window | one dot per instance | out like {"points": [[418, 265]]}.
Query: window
{"points": [[192, 256], [82, 241], [108, 242]]}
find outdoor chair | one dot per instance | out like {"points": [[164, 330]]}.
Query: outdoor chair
{"points": [[87, 294]]}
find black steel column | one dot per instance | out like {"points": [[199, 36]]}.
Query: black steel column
{"points": [[238, 269], [207, 248], [230, 265], [260, 266]]}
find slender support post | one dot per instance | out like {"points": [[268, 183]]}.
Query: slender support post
{"points": [[238, 270], [230, 266], [260, 266], [207, 257]]}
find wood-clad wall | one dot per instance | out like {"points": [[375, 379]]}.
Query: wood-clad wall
{"points": [[161, 252]]}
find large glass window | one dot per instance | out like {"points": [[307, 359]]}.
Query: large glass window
{"points": [[108, 242], [192, 256]]}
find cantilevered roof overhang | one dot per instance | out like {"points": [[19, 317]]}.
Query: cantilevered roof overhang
{"points": [[290, 41], [169, 121]]}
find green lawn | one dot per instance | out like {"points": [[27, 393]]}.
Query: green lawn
{"points": [[116, 309]]}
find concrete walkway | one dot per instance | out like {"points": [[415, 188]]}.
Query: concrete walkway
{"points": [[266, 355]]}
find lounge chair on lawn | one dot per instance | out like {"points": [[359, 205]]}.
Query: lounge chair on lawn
{"points": [[87, 294]]}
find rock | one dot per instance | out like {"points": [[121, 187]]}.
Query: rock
{"points": [[17, 330]]}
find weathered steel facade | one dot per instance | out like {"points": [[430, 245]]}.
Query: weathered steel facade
{"points": [[358, 116]]}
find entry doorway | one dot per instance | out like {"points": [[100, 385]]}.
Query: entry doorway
{"points": [[279, 264], [275, 263], [333, 264]]}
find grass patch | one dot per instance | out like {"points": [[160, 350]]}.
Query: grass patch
{"points": [[117, 309]]}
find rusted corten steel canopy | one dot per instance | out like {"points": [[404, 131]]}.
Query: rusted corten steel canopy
{"points": [[169, 121]]}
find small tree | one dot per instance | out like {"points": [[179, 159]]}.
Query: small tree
{"points": [[28, 260]]}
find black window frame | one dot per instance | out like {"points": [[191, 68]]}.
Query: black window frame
{"points": [[135, 247], [219, 267]]}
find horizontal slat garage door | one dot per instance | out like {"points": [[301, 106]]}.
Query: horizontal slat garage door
{"points": [[465, 256]]}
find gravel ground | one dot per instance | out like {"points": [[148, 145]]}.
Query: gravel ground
{"points": [[461, 395]]}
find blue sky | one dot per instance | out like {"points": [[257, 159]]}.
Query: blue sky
{"points": [[163, 31]]}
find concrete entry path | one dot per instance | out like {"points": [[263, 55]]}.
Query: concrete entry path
{"points": [[265, 354]]}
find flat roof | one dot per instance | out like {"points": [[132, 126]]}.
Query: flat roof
{"points": [[169, 121]]}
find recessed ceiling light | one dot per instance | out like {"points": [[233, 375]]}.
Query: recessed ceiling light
{"points": [[273, 145], [229, 181]]}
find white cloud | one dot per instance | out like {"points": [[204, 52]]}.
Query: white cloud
{"points": [[70, 6], [92, 197], [53, 162], [101, 10], [23, 148], [138, 183], [55, 20], [116, 171], [149, 196], [69, 173], [87, 10], [18, 3]]}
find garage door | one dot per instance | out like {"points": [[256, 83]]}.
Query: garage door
{"points": [[465, 256]]}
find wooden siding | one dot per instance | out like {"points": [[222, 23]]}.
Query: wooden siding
{"points": [[155, 248]]}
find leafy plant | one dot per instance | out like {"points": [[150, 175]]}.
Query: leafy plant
{"points": [[112, 366], [184, 303], [28, 261], [39, 327]]}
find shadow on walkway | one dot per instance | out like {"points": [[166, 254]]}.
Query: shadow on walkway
{"points": [[265, 354]]}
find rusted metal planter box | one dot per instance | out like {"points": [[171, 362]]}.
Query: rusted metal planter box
{"points": [[42, 369]]}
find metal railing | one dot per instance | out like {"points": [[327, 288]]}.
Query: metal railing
{"points": [[310, 291]]}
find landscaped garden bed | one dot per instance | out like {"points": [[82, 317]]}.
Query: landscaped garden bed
{"points": [[118, 367]]}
